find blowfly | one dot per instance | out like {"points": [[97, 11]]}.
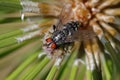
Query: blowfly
{"points": [[69, 28]]}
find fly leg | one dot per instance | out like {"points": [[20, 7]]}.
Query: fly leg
{"points": [[54, 27]]}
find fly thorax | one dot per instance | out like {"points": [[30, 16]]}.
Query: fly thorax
{"points": [[57, 37]]}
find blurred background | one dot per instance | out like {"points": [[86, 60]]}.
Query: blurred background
{"points": [[21, 46]]}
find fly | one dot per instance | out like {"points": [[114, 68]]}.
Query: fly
{"points": [[59, 37], [68, 29]]}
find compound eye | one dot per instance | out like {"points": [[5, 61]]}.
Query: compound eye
{"points": [[48, 40], [53, 45]]}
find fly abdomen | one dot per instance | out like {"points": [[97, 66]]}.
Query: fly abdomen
{"points": [[59, 36], [69, 28]]}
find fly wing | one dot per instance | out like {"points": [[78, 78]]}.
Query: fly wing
{"points": [[64, 16], [81, 36]]}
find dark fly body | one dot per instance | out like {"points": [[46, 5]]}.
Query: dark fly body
{"points": [[59, 37]]}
